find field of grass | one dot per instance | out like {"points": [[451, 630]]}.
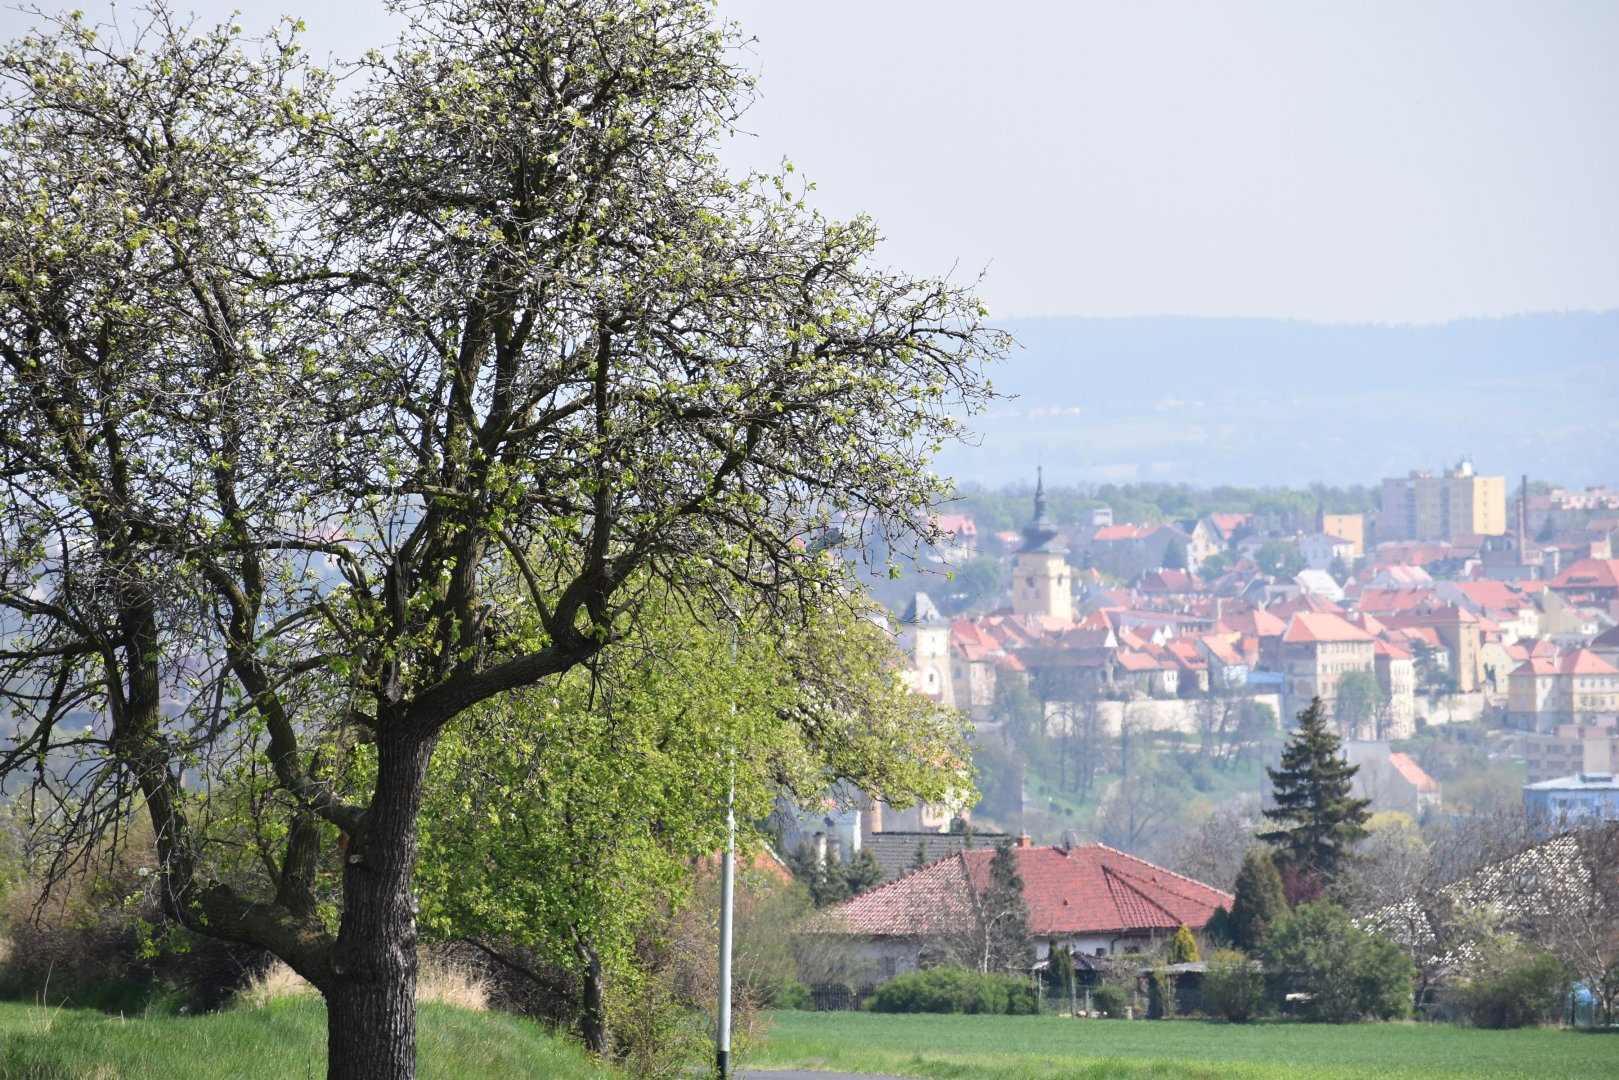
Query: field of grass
{"points": [[285, 1040], [1056, 1048]]}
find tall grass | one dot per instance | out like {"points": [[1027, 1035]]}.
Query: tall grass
{"points": [[283, 1040]]}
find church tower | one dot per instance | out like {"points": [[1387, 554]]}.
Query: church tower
{"points": [[1041, 578]]}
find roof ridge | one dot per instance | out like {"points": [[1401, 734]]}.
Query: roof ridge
{"points": [[1164, 870], [1124, 881]]}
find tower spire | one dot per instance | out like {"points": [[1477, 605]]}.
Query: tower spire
{"points": [[1040, 517]]}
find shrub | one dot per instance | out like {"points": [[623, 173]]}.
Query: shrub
{"points": [[90, 933], [1520, 986], [1347, 972], [790, 995], [1233, 988], [953, 990], [1110, 1000], [1183, 947]]}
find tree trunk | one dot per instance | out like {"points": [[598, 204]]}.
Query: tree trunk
{"points": [[371, 1002], [593, 1017]]}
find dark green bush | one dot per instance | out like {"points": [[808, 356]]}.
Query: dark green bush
{"points": [[790, 995], [954, 990]]}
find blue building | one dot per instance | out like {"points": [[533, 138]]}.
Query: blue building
{"points": [[1587, 797]]}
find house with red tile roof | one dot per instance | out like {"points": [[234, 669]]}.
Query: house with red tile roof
{"points": [[961, 531], [1391, 780], [1457, 630], [1588, 580], [1228, 526], [1577, 687], [1317, 650], [1088, 897]]}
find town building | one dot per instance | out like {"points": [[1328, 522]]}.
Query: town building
{"points": [[1561, 752], [1042, 582], [1588, 796], [1422, 506], [1317, 650], [1575, 688], [1087, 897]]}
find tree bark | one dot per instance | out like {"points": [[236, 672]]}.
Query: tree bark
{"points": [[371, 1002], [593, 1017]]}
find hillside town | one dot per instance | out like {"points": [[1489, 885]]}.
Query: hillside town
{"points": [[1453, 603]]}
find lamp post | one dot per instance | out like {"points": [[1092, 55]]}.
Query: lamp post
{"points": [[722, 1048], [727, 875]]}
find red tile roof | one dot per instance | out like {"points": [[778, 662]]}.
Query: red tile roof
{"points": [[1493, 596], [1258, 622], [1088, 889], [1390, 650], [1535, 665], [1414, 773], [1584, 662], [1307, 627], [1394, 601], [1227, 524], [1304, 602], [1588, 574]]}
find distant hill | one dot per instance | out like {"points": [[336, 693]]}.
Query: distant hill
{"points": [[1276, 402]]}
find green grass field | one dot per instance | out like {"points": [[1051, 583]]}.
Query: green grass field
{"points": [[1049, 1048], [284, 1041]]}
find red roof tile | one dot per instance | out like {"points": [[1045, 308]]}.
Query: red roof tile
{"points": [[1414, 773], [1588, 574], [1306, 627], [1584, 662], [1087, 889]]}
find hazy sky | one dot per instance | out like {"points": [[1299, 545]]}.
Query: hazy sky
{"points": [[1368, 161]]}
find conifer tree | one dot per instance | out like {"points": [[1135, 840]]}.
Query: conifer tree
{"points": [[1317, 818], [1003, 915], [1183, 947], [1259, 901]]}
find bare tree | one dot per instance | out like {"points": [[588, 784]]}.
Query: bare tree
{"points": [[1580, 921]]}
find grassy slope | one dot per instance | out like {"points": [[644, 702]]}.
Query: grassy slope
{"points": [[1020, 1047], [285, 1040]]}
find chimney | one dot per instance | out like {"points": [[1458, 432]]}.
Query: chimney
{"points": [[1023, 840]]}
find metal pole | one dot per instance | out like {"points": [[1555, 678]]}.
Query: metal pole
{"points": [[727, 874]]}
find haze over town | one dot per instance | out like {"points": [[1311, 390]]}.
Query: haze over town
{"points": [[1323, 164]]}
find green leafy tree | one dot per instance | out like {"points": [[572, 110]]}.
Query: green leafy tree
{"points": [[1347, 972], [1358, 704], [1279, 558], [327, 419], [1259, 903], [1318, 820], [631, 762], [1175, 556]]}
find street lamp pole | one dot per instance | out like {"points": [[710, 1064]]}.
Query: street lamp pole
{"points": [[727, 875]]}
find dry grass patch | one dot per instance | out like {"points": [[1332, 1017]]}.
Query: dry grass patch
{"points": [[440, 981]]}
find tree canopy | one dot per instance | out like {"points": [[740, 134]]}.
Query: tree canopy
{"points": [[327, 418]]}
